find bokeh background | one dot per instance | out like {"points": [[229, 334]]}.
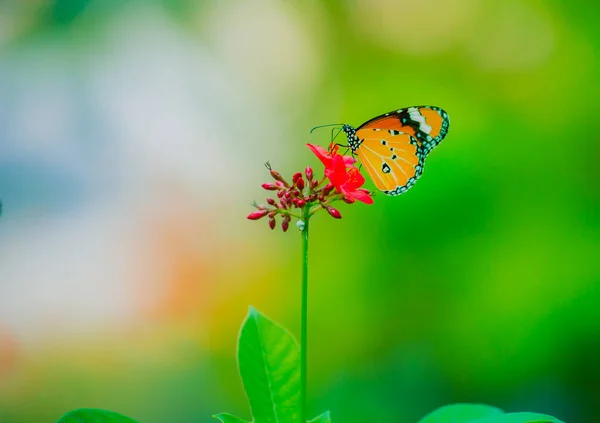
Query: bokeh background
{"points": [[132, 141]]}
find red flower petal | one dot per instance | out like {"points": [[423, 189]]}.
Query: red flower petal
{"points": [[321, 154], [337, 172], [349, 160], [355, 179], [363, 195]]}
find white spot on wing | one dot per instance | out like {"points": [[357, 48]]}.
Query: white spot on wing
{"points": [[416, 116]]}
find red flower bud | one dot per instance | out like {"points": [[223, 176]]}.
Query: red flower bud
{"points": [[300, 183], [296, 176], [314, 183], [286, 223], [271, 201], [309, 173], [328, 188], [287, 194], [277, 176], [333, 212], [272, 222], [273, 213], [301, 203], [269, 186], [280, 194], [257, 214]]}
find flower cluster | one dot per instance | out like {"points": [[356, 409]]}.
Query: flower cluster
{"points": [[308, 194]]}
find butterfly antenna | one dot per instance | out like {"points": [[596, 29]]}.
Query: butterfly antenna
{"points": [[324, 126]]}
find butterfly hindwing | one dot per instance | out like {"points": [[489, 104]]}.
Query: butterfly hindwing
{"points": [[394, 160]]}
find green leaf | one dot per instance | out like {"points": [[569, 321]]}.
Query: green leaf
{"points": [[460, 413], [323, 418], [519, 418], [229, 418], [92, 415], [269, 364], [479, 413]]}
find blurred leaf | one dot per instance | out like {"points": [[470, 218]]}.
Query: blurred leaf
{"points": [[519, 418], [229, 418], [460, 413], [92, 415], [323, 418], [269, 364], [479, 413]]}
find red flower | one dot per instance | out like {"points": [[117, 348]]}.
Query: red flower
{"points": [[347, 182], [352, 187]]}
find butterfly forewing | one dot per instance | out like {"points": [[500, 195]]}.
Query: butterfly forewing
{"points": [[393, 159], [428, 124]]}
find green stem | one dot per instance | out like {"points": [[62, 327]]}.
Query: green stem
{"points": [[304, 317]]}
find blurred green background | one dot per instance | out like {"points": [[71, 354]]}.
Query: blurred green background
{"points": [[132, 141]]}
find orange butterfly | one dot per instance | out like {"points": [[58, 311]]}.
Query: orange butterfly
{"points": [[393, 147]]}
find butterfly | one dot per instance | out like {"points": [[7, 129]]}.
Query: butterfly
{"points": [[393, 147]]}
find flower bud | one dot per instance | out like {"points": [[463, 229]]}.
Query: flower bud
{"points": [[272, 222], [309, 173], [269, 186], [258, 214], [328, 188], [314, 183], [273, 213], [287, 194], [280, 194], [333, 212], [300, 203], [277, 176], [296, 176], [285, 224], [300, 183]]}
